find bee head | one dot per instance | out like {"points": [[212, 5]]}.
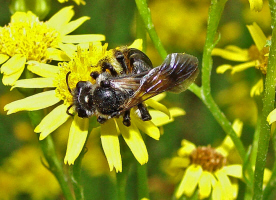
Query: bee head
{"points": [[83, 99]]}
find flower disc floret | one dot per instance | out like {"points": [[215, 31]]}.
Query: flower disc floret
{"points": [[28, 36]]}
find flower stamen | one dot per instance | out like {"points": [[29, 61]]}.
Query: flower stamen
{"points": [[208, 158]]}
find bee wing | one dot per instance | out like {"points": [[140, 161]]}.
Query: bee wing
{"points": [[176, 74], [128, 82]]}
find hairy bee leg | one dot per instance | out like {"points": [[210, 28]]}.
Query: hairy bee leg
{"points": [[126, 118], [101, 120], [108, 66], [94, 75], [145, 116], [121, 59]]}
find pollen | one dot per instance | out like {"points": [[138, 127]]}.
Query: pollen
{"points": [[28, 36], [261, 57], [84, 62], [208, 158]]}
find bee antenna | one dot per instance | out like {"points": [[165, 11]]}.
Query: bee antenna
{"points": [[67, 111], [69, 89]]}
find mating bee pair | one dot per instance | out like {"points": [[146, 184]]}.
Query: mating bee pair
{"points": [[115, 93]]}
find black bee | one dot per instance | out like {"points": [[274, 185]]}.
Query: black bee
{"points": [[115, 93]]}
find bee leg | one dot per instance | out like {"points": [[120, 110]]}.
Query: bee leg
{"points": [[94, 75], [101, 120], [121, 59], [145, 116], [126, 118], [108, 66]]}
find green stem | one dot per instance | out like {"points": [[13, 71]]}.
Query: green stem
{"points": [[271, 185], [216, 9], [50, 155], [143, 191], [121, 179], [76, 176], [268, 105], [144, 11]]}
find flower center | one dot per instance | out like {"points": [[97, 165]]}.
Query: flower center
{"points": [[80, 67], [208, 158], [261, 57], [27, 36]]}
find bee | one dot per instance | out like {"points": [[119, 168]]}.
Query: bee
{"points": [[116, 92]]}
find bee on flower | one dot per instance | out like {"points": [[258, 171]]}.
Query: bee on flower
{"points": [[57, 81], [256, 56], [27, 39]]}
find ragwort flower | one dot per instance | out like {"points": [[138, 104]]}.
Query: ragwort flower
{"points": [[207, 168], [256, 56], [78, 2], [81, 66], [26, 38], [256, 5]]}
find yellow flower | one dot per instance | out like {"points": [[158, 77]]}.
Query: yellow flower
{"points": [[78, 2], [23, 173], [207, 168], [256, 5], [86, 61], [26, 38], [256, 56]]}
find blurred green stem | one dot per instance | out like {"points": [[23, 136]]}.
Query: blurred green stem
{"points": [[49, 152], [143, 191], [76, 176], [146, 17], [268, 106]]}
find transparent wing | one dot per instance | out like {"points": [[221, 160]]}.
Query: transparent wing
{"points": [[176, 74]]}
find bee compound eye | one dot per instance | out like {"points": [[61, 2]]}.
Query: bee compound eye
{"points": [[81, 84]]}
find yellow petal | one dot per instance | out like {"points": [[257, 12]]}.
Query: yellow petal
{"points": [[186, 148], [147, 127], [34, 83], [233, 170], [13, 65], [267, 176], [138, 44], [61, 18], [77, 137], [256, 5], [159, 97], [135, 141], [179, 162], [58, 55], [271, 117], [243, 66], [44, 70], [176, 111], [189, 182], [205, 184], [225, 182], [257, 35], [227, 143], [52, 121], [257, 89], [85, 38], [35, 102], [69, 49], [3, 58], [158, 106], [159, 118], [217, 193], [223, 68], [12, 78], [111, 145], [235, 54], [73, 25]]}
